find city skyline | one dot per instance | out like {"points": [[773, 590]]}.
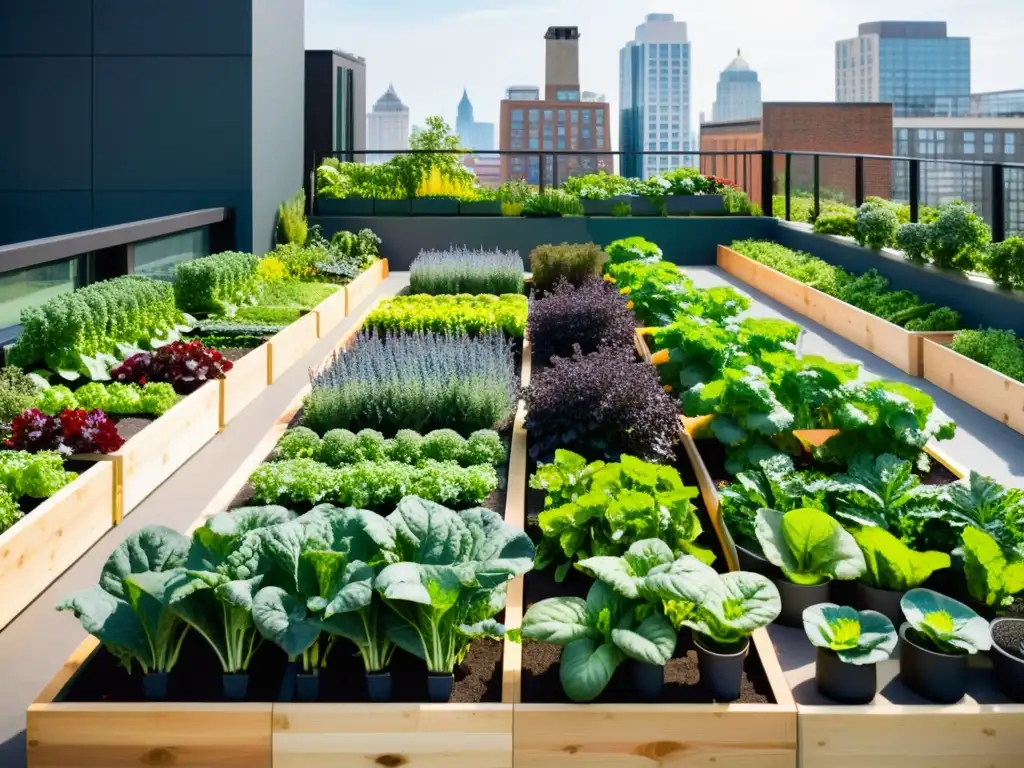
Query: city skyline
{"points": [[487, 45]]}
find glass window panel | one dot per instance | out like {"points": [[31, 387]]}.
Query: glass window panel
{"points": [[157, 258], [32, 287]]}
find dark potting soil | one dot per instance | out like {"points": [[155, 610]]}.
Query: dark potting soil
{"points": [[477, 678], [234, 354], [937, 474], [1009, 635], [129, 426], [196, 677]]}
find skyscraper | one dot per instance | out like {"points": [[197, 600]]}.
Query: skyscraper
{"points": [[387, 126], [913, 65], [738, 94], [654, 96], [472, 135]]}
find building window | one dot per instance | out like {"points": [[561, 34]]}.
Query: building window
{"points": [[990, 143], [534, 116], [37, 285], [561, 143], [561, 116], [549, 114], [599, 116], [569, 94], [517, 114], [534, 143], [574, 116], [1008, 143], [157, 258], [586, 116], [549, 144]]}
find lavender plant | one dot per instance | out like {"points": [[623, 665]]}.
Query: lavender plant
{"points": [[420, 381], [461, 270]]}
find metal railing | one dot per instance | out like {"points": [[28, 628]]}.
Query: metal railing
{"points": [[791, 184]]}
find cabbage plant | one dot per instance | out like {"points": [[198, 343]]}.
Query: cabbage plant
{"points": [[809, 545], [946, 624], [856, 637]]}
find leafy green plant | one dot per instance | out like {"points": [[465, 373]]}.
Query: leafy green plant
{"points": [[35, 475], [632, 249], [294, 295], [575, 262], [957, 237], [876, 225], [596, 186], [893, 565], [836, 223], [18, 392], [217, 284], [856, 637], [461, 270], [9, 512], [944, 624], [283, 316], [131, 624], [451, 578], [340, 446], [621, 210], [1004, 263], [450, 314], [659, 290], [809, 545], [291, 220], [86, 332], [913, 240], [611, 507], [114, 398], [980, 502], [552, 203], [1000, 350], [991, 578]]}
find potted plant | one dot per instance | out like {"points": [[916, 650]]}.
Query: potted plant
{"points": [[993, 580], [850, 643], [891, 569], [938, 636], [1008, 656], [812, 549]]}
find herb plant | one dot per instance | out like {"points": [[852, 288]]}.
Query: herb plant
{"points": [[912, 239], [836, 223], [1004, 263], [876, 226], [856, 637], [946, 625], [18, 392], [216, 284], [576, 262], [1000, 350], [587, 317], [956, 237], [552, 203], [462, 270], [809, 545], [449, 314], [416, 381], [185, 365]]}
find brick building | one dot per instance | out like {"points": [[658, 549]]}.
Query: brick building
{"points": [[860, 129], [559, 121]]}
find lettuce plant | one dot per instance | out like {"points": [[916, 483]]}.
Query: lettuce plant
{"points": [[632, 249], [132, 625], [186, 365], [72, 431], [659, 290], [991, 578], [450, 578], [856, 637], [611, 507], [458, 314], [340, 447], [217, 284], [35, 475], [55, 399], [946, 625], [809, 545], [891, 564], [9, 512]]}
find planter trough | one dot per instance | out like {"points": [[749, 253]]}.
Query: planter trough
{"points": [[434, 206], [480, 208], [352, 206]]}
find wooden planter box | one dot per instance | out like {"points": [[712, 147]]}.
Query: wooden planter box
{"points": [[47, 541], [330, 312], [895, 345], [246, 381], [989, 391], [357, 291], [290, 345]]}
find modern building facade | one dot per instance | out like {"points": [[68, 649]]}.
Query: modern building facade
{"points": [[974, 139], [654, 97], [998, 104], [804, 127], [738, 96], [560, 122], [472, 135], [913, 65], [335, 107], [387, 126], [117, 111]]}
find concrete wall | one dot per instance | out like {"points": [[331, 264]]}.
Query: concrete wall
{"points": [[684, 240], [278, 104], [982, 305]]}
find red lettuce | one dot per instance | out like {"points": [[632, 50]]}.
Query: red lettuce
{"points": [[186, 365]]}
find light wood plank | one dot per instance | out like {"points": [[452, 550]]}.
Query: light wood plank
{"points": [[246, 381], [47, 541], [291, 345], [357, 291], [330, 312]]}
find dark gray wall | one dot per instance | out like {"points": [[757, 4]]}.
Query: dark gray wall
{"points": [[119, 110], [982, 305], [688, 241]]}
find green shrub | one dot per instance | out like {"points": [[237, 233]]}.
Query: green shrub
{"points": [[957, 236], [18, 393], [574, 262], [1004, 263], [596, 186], [450, 314], [836, 223], [876, 226], [1000, 350], [737, 203], [913, 240], [552, 203], [296, 295], [216, 284], [291, 220]]}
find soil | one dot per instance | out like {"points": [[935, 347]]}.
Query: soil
{"points": [[1009, 635], [234, 354], [129, 426]]}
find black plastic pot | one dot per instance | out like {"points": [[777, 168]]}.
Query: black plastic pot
{"points": [[885, 601], [939, 677], [307, 687], [154, 685], [648, 679], [439, 687], [378, 686], [721, 670], [235, 686], [1007, 665], [753, 561], [797, 597], [843, 682]]}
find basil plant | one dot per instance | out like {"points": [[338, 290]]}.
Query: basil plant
{"points": [[856, 637], [946, 625], [809, 545]]}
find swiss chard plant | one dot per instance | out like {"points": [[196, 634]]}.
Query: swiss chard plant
{"points": [[450, 578], [891, 564], [944, 624], [602, 509], [135, 627], [856, 637], [810, 546], [992, 578]]}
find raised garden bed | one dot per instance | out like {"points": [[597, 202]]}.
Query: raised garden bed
{"points": [[888, 341], [989, 391]]}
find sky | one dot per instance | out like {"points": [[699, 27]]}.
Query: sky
{"points": [[431, 49]]}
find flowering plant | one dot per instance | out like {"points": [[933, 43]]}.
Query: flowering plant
{"points": [[186, 365], [71, 431]]}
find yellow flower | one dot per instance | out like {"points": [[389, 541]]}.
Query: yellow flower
{"points": [[625, 291], [629, 305], [667, 387], [609, 279]]}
